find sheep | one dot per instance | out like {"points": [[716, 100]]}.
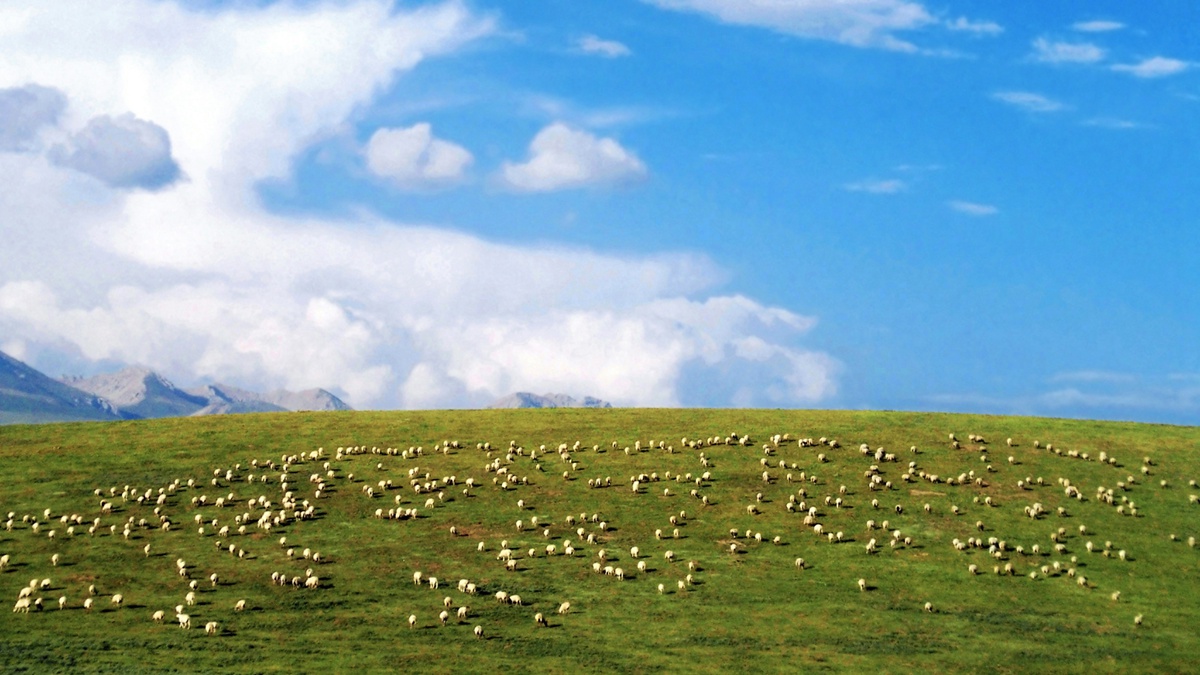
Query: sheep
{"points": [[929, 607], [412, 621], [539, 619], [117, 600], [564, 608], [190, 598], [239, 606], [158, 616], [862, 584], [443, 617], [185, 621], [211, 628], [478, 632], [87, 604]]}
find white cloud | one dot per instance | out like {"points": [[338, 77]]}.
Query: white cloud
{"points": [[1098, 26], [1112, 123], [965, 25], [590, 44], [24, 111], [875, 186], [412, 158], [1157, 66], [1095, 394], [201, 281], [1028, 101], [973, 208], [121, 151], [859, 23], [1093, 376], [1066, 52], [561, 157]]}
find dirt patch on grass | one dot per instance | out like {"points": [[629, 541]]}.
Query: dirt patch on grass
{"points": [[917, 493]]}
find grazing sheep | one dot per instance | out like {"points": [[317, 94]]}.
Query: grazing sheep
{"points": [[211, 628], [478, 632], [185, 621], [564, 608], [862, 584], [412, 621], [117, 600], [929, 607], [539, 619], [239, 606]]}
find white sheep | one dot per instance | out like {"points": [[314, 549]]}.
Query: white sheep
{"points": [[478, 632], [185, 621], [211, 628]]}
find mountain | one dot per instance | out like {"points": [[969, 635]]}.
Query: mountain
{"points": [[30, 397], [27, 396], [224, 400], [140, 393], [524, 399]]}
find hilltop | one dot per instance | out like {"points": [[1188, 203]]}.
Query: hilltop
{"points": [[1036, 543]]}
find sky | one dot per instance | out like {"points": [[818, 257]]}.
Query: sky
{"points": [[861, 204]]}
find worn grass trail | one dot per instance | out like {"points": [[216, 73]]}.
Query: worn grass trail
{"points": [[750, 610]]}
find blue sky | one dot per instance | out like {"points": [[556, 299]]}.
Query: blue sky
{"points": [[874, 204]]}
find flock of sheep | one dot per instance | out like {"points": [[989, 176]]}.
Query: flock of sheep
{"points": [[256, 510]]}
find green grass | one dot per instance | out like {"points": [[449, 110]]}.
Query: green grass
{"points": [[752, 611]]}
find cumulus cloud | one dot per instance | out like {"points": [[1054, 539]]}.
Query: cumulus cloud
{"points": [[122, 151], [1156, 66], [24, 111], [859, 23], [1097, 26], [412, 158], [965, 25], [889, 186], [561, 157], [203, 282], [1046, 51], [1028, 101], [973, 208], [590, 44]]}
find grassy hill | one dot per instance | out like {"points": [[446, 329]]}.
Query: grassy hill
{"points": [[748, 610]]}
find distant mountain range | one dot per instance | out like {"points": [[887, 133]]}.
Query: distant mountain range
{"points": [[524, 399], [28, 396]]}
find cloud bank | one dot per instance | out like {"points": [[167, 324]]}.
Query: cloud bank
{"points": [[197, 278]]}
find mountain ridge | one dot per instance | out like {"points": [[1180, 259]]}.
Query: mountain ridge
{"points": [[525, 399], [28, 396]]}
